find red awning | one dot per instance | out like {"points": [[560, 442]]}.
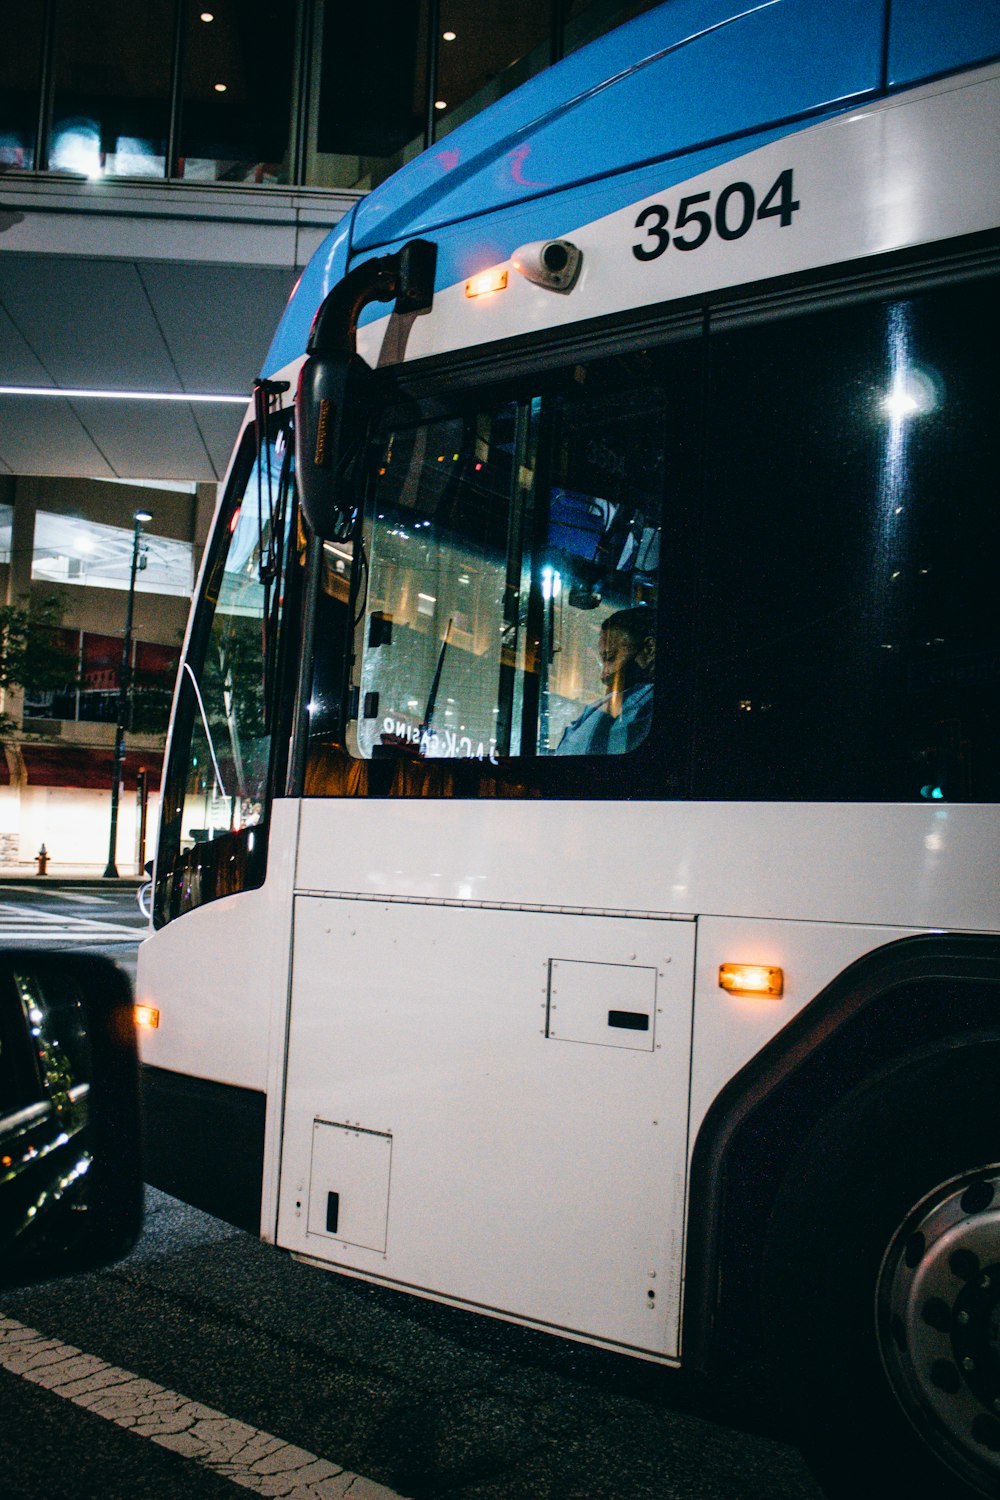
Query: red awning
{"points": [[84, 767]]}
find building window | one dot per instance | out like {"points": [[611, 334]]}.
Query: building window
{"points": [[237, 100], [20, 79], [370, 83], [70, 550], [112, 89], [485, 48], [264, 92], [588, 19], [6, 532], [89, 694]]}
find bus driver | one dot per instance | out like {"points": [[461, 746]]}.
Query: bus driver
{"points": [[620, 720]]}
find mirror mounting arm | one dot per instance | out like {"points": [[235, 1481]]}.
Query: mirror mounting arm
{"points": [[330, 401]]}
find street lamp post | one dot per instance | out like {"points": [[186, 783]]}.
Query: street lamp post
{"points": [[124, 691]]}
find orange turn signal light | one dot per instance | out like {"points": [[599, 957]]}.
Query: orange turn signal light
{"points": [[487, 281], [751, 979], [147, 1016]]}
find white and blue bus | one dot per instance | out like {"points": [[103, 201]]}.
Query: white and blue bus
{"points": [[576, 896]]}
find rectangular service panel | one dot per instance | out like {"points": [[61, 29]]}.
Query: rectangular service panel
{"points": [[605, 1005], [526, 1075], [349, 1184]]}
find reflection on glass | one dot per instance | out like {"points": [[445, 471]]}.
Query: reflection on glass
{"points": [[507, 615], [69, 549], [485, 49], [112, 88], [20, 78], [369, 82], [849, 640], [45, 1070], [237, 97], [230, 740]]}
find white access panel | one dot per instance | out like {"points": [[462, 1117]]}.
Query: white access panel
{"points": [[532, 1175], [604, 1005], [349, 1184]]}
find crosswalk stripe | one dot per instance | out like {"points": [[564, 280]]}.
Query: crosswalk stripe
{"points": [[15, 920], [69, 934], [234, 1450]]}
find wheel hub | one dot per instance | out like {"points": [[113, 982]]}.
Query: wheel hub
{"points": [[938, 1320]]}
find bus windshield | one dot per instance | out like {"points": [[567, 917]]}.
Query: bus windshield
{"points": [[508, 579]]}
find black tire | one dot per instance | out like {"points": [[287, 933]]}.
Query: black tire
{"points": [[883, 1339]]}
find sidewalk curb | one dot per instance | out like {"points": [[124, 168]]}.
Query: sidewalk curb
{"points": [[105, 883]]}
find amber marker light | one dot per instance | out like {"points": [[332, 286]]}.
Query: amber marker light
{"points": [[751, 979], [147, 1016], [486, 281]]}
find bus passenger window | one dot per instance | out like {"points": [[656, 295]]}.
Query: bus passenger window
{"points": [[510, 568], [600, 573], [620, 719], [431, 647]]}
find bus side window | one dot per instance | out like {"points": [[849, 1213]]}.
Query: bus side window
{"points": [[509, 615]]}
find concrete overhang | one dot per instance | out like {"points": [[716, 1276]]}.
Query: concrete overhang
{"points": [[141, 287]]}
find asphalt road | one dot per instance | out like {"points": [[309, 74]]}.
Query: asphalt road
{"points": [[101, 919], [207, 1361]]}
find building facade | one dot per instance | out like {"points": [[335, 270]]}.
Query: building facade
{"points": [[66, 548], [164, 179]]}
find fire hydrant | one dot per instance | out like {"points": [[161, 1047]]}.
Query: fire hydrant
{"points": [[43, 860]]}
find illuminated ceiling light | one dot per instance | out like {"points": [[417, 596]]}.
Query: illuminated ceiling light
{"points": [[206, 16], [448, 36], [220, 88], [440, 104], [143, 516], [67, 394]]}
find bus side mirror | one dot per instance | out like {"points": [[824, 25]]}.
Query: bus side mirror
{"points": [[330, 429], [70, 1166], [334, 391]]}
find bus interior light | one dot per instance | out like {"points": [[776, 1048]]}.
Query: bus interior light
{"points": [[494, 280], [147, 1017], [751, 979]]}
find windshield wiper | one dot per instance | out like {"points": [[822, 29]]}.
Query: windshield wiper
{"points": [[271, 523]]}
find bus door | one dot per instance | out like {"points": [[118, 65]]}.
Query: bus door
{"points": [[490, 1106], [491, 1007]]}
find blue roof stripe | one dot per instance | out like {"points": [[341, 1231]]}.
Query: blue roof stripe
{"points": [[468, 247], [929, 37], [682, 88], [689, 72]]}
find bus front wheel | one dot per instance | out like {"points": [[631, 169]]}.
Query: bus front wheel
{"points": [[882, 1284]]}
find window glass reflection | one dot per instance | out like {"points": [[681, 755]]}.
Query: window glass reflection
{"points": [[112, 89], [20, 77], [230, 740], [512, 614], [850, 646], [70, 550], [236, 111], [486, 48], [369, 81]]}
